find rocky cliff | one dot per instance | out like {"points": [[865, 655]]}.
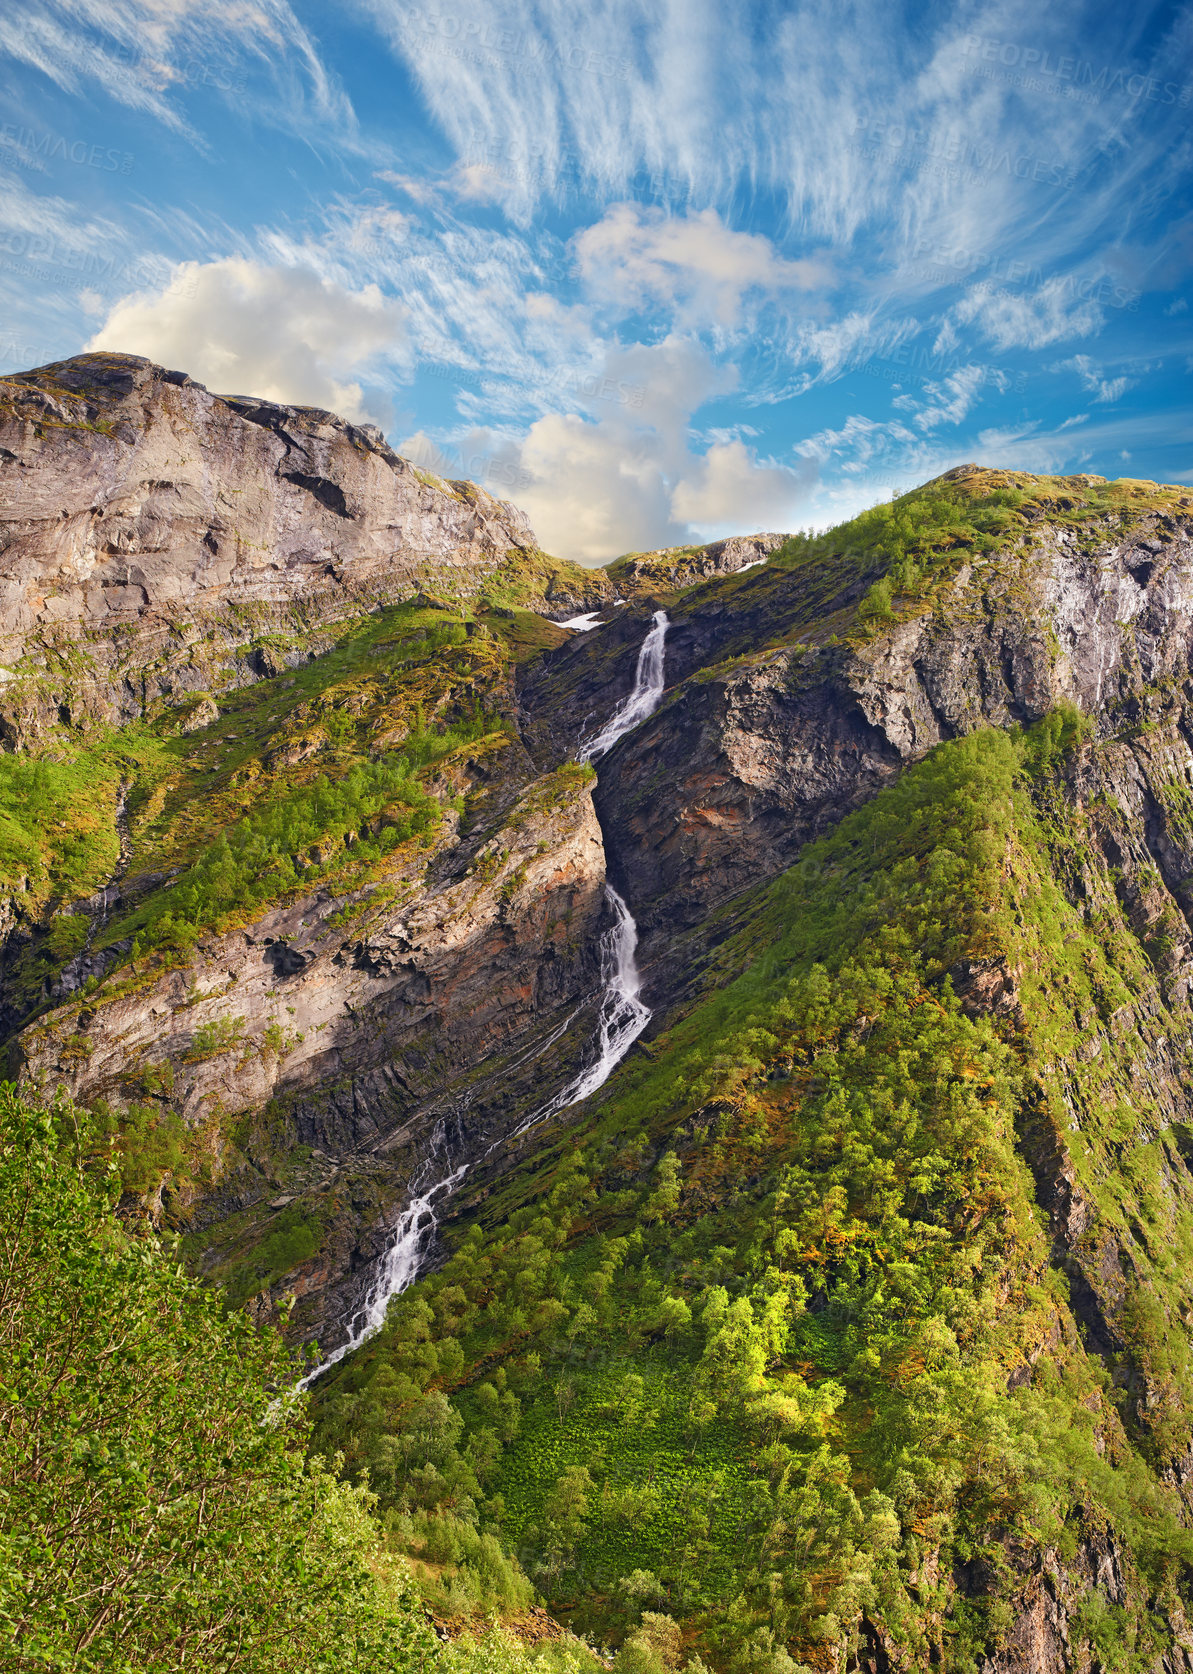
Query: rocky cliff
{"points": [[157, 539]]}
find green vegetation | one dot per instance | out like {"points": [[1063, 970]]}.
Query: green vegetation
{"points": [[530, 578], [773, 1353], [58, 837], [156, 1506], [323, 774], [779, 1323], [262, 857], [909, 534], [895, 559]]}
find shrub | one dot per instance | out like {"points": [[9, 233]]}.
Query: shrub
{"points": [[157, 1509]]}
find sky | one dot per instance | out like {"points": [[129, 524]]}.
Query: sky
{"points": [[657, 271]]}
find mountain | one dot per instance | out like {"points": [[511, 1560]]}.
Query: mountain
{"points": [[160, 540], [745, 1046]]}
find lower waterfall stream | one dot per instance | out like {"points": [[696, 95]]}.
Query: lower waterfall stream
{"points": [[623, 1016]]}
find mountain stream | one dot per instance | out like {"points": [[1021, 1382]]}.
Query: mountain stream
{"points": [[623, 1017]]}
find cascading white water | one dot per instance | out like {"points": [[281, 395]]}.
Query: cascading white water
{"points": [[644, 698], [623, 1015], [400, 1263], [622, 1019]]}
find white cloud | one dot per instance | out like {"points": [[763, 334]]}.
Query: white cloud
{"points": [[1028, 319], [478, 183], [149, 55], [861, 443], [621, 476], [420, 450], [1102, 389], [728, 490], [951, 398], [242, 328], [419, 191], [636, 256], [823, 351], [593, 497]]}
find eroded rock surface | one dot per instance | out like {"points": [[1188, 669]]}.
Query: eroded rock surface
{"points": [[152, 534]]}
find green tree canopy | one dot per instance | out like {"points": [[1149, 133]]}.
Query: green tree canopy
{"points": [[157, 1507]]}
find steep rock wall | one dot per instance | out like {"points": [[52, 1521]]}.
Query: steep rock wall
{"points": [[152, 533]]}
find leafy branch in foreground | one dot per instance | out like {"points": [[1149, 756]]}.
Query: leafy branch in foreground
{"points": [[157, 1508]]}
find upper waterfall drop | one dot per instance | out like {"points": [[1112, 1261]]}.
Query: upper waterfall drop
{"points": [[643, 699]]}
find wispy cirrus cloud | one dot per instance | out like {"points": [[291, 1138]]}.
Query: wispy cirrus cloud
{"points": [[1102, 389], [154, 56]]}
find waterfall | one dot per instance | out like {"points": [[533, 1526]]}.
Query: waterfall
{"points": [[400, 1264], [623, 1017], [643, 700]]}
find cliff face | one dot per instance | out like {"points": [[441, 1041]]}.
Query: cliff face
{"points": [[743, 765], [337, 916], [158, 539]]}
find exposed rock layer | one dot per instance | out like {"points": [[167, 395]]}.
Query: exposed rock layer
{"points": [[163, 531]]}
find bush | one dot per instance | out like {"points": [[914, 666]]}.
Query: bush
{"points": [[157, 1509]]}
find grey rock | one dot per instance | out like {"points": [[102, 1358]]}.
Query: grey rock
{"points": [[160, 529]]}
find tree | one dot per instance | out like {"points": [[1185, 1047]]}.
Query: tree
{"points": [[565, 1515], [157, 1508], [735, 1349], [664, 1200]]}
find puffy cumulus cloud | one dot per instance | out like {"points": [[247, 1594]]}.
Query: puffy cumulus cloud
{"points": [[1102, 389], [596, 483], [617, 469], [636, 256], [591, 497], [283, 333], [1027, 319], [729, 491], [420, 450]]}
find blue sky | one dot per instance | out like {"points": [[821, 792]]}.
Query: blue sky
{"points": [[656, 270]]}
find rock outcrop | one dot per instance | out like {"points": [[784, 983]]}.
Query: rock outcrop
{"points": [[671, 569], [156, 539]]}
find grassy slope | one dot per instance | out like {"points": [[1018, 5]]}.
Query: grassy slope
{"points": [[802, 1223], [896, 559], [292, 765]]}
